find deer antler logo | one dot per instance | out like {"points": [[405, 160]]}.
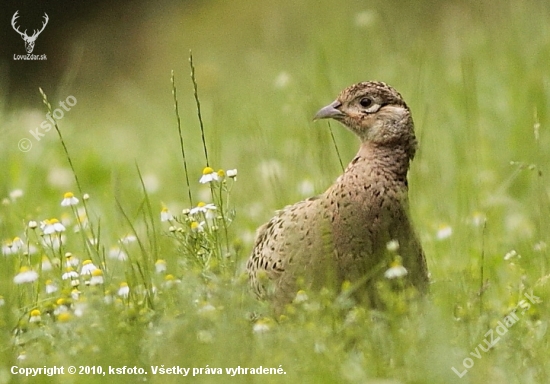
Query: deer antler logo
{"points": [[29, 40]]}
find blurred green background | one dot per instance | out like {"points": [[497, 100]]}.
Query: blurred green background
{"points": [[475, 74]]}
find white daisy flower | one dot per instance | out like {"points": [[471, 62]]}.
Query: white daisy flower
{"points": [[261, 326], [117, 253], [25, 275], [232, 173], [208, 175], [160, 266], [510, 255], [87, 267], [444, 232], [52, 226], [396, 270], [75, 294], [128, 239], [197, 227], [70, 273], [207, 209], [35, 316], [70, 260], [50, 287], [46, 264], [97, 277], [392, 245], [69, 199], [165, 215], [124, 290], [16, 194]]}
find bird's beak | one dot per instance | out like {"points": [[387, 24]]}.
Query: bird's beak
{"points": [[330, 111]]}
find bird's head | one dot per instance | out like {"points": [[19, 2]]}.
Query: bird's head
{"points": [[375, 112]]}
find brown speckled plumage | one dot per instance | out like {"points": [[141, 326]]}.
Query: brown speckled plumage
{"points": [[342, 234]]}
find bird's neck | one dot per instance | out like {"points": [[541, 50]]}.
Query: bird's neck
{"points": [[389, 160]]}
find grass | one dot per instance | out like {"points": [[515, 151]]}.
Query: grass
{"points": [[475, 76]]}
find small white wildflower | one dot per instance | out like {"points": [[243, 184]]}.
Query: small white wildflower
{"points": [[232, 174], [32, 224], [25, 275], [165, 215], [69, 199], [85, 196], [511, 255], [207, 209], [197, 227], [87, 267], [97, 277], [124, 290], [478, 219], [160, 266], [261, 326], [206, 307], [208, 175], [306, 188], [396, 270], [70, 273], [60, 307], [392, 246], [170, 281], [16, 194], [52, 226], [117, 253], [70, 260], [46, 264], [444, 232], [11, 247], [35, 316], [50, 287], [128, 239], [301, 296], [75, 294]]}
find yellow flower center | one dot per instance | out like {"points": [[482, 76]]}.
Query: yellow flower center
{"points": [[207, 171], [201, 204], [97, 272], [35, 312], [68, 195], [64, 316]]}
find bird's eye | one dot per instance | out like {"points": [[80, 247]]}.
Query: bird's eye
{"points": [[365, 102]]}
